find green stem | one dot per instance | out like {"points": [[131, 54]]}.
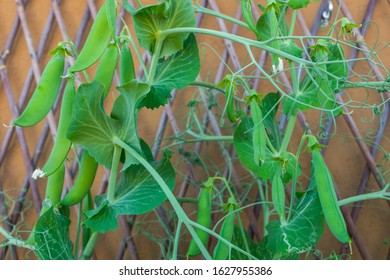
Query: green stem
{"points": [[294, 77], [265, 206], [199, 9], [292, 22], [243, 235], [373, 85], [113, 174], [288, 133], [367, 196], [295, 177], [172, 199], [90, 246], [78, 229], [207, 85], [209, 138], [235, 38], [10, 240], [155, 58], [177, 238]]}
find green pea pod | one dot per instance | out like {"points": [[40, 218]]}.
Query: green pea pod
{"points": [[106, 69], [278, 194], [97, 40], [230, 88], [246, 8], [127, 72], [61, 144], [221, 250], [203, 219], [54, 185], [328, 198], [84, 180], [46, 92], [259, 135]]}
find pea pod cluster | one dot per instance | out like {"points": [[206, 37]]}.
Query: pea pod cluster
{"points": [[328, 198], [46, 92], [203, 219]]}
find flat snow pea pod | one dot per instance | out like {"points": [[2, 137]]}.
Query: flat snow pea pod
{"points": [[46, 92], [259, 135], [230, 89], [98, 38], [203, 219], [333, 216], [84, 180], [127, 72], [278, 194], [106, 69], [61, 143], [221, 250]]}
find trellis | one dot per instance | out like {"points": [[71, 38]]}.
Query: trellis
{"points": [[17, 100]]}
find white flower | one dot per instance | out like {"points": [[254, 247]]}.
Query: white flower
{"points": [[279, 68], [38, 173]]}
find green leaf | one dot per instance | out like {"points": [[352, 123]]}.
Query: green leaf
{"points": [[338, 67], [125, 110], [286, 161], [151, 20], [91, 128], [265, 254], [242, 141], [51, 236], [290, 47], [240, 239], [269, 108], [102, 218], [321, 81], [299, 234], [268, 28], [298, 4], [175, 72], [137, 193]]}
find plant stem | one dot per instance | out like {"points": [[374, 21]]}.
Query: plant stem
{"points": [[113, 174], [176, 243], [292, 22], [210, 138], [207, 85], [78, 229], [10, 240], [288, 133], [203, 10], [294, 77], [90, 246], [367, 196], [172, 199], [155, 58]]}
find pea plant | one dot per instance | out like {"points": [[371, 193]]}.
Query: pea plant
{"points": [[293, 218]]}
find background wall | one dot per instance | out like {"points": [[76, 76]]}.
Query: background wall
{"points": [[23, 150]]}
